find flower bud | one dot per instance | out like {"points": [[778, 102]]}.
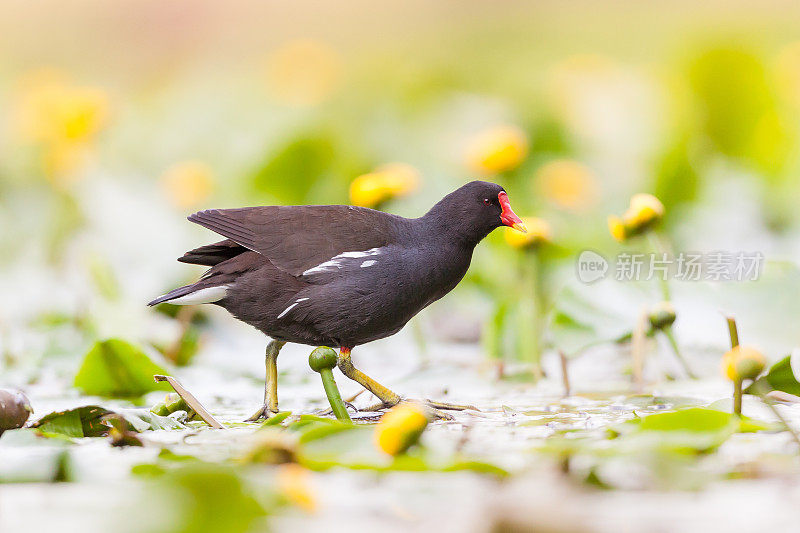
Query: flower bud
{"points": [[497, 149], [384, 183], [617, 228], [400, 428], [539, 232], [662, 316], [644, 212], [743, 362]]}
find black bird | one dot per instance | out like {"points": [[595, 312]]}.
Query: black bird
{"points": [[338, 275]]}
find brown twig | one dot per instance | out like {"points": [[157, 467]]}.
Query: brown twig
{"points": [[637, 350], [191, 401], [564, 372]]}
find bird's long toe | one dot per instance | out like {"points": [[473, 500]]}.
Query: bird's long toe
{"points": [[450, 406], [263, 413]]}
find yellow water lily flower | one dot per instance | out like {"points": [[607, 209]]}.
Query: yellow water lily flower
{"points": [[60, 118], [384, 183], [743, 362], [51, 109], [497, 149], [644, 212], [400, 428], [188, 184], [617, 228], [539, 232], [644, 209], [567, 184], [294, 483]]}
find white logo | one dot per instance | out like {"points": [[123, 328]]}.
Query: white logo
{"points": [[591, 266]]}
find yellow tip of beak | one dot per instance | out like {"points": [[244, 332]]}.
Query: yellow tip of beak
{"points": [[519, 226]]}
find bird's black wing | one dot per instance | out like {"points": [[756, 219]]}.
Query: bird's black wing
{"points": [[298, 238]]}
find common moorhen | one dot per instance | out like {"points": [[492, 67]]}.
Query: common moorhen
{"points": [[338, 275]]}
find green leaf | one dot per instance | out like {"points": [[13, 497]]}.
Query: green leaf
{"points": [[80, 422], [117, 369], [277, 419], [780, 377], [693, 419], [87, 421], [199, 496], [143, 420]]}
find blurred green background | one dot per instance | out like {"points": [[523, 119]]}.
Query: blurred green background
{"points": [[121, 118]]}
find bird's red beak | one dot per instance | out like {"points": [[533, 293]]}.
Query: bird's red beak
{"points": [[508, 216]]}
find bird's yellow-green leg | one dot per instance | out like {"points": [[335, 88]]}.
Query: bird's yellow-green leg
{"points": [[270, 407], [384, 394]]}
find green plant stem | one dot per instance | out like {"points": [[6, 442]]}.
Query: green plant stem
{"points": [[733, 330], [658, 248], [564, 372], [334, 398], [674, 344], [737, 397], [536, 296]]}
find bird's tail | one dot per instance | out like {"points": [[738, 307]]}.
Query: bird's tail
{"points": [[196, 293]]}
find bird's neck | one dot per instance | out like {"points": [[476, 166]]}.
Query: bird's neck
{"points": [[446, 227]]}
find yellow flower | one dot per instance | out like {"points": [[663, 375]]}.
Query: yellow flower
{"points": [[62, 119], [742, 362], [567, 184], [400, 428], [539, 232], [294, 482], [188, 183], [617, 228], [787, 71], [304, 72], [497, 149], [384, 183], [644, 211], [51, 110]]}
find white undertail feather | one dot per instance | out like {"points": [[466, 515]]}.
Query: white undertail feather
{"points": [[203, 296]]}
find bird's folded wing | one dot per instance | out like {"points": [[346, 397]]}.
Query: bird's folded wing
{"points": [[297, 238]]}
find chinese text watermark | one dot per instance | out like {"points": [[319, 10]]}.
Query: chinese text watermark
{"points": [[684, 266]]}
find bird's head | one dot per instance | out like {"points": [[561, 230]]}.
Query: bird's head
{"points": [[475, 209]]}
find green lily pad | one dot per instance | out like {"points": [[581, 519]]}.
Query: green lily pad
{"points": [[115, 368]]}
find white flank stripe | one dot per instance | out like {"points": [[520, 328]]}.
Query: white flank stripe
{"points": [[368, 263], [336, 262], [288, 309], [203, 296]]}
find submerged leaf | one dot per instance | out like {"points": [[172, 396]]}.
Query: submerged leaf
{"points": [[88, 421]]}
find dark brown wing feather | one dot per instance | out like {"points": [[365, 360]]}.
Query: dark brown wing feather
{"points": [[213, 254], [296, 238]]}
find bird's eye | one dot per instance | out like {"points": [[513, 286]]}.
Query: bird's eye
{"points": [[487, 201]]}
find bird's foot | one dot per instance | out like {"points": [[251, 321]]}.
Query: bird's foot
{"points": [[329, 411], [435, 409], [450, 406], [264, 412]]}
